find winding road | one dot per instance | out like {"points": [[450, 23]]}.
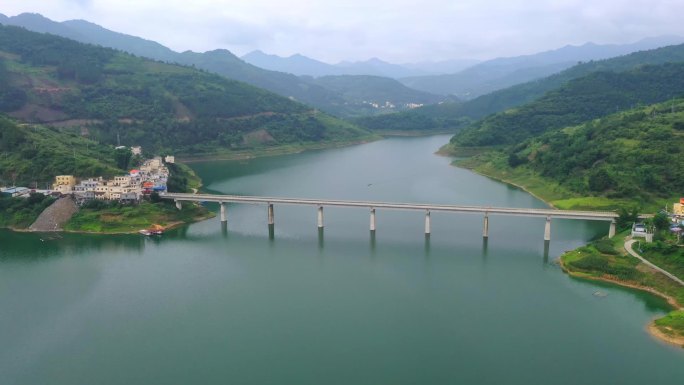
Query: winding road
{"points": [[630, 250]]}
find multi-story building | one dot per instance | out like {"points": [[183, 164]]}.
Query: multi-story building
{"points": [[64, 184]]}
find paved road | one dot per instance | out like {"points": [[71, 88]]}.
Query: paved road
{"points": [[630, 250]]}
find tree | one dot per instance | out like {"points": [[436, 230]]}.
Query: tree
{"points": [[122, 157], [600, 180], [661, 221], [627, 217]]}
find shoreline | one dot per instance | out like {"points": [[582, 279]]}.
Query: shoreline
{"points": [[523, 188], [662, 337], [497, 179], [650, 327], [170, 226], [274, 151]]}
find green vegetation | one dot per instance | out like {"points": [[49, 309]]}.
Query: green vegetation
{"points": [[33, 155], [113, 217], [600, 260], [20, 213], [672, 324], [112, 97], [625, 159], [578, 101], [420, 120], [434, 116], [358, 91], [182, 179]]}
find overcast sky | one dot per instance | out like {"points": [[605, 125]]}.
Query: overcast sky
{"points": [[393, 30]]}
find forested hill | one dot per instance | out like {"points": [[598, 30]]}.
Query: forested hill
{"points": [[453, 115], [32, 155], [636, 154], [580, 100], [103, 93], [219, 61]]}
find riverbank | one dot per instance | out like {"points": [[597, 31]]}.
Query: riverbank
{"points": [[275, 150], [494, 165], [608, 261], [128, 219]]}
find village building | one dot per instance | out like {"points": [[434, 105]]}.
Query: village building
{"points": [[136, 150], [15, 192], [64, 184]]}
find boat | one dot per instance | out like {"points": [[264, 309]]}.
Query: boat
{"points": [[156, 229], [152, 230]]}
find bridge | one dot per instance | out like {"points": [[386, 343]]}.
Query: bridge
{"points": [[549, 214]]}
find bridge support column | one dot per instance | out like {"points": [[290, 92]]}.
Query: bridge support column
{"points": [[372, 220], [222, 206], [485, 227], [547, 229], [271, 219], [320, 217], [611, 231], [427, 222], [179, 205]]}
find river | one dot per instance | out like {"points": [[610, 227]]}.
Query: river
{"points": [[207, 305]]}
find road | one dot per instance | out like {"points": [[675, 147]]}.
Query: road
{"points": [[630, 250]]}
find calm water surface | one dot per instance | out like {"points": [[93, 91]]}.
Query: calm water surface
{"points": [[206, 305]]}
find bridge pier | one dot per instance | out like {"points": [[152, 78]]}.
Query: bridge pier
{"points": [[271, 219], [547, 229], [320, 217], [485, 227], [611, 231], [427, 222], [179, 205], [222, 206], [372, 220]]}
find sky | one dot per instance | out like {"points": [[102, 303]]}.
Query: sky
{"points": [[399, 31]]}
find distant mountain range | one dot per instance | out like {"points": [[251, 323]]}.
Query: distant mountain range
{"points": [[225, 63], [500, 73], [339, 97], [457, 115], [305, 66]]}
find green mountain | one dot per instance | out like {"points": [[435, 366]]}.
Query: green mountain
{"points": [[32, 155], [111, 96], [580, 100], [452, 115], [375, 94], [219, 61], [635, 155], [492, 75]]}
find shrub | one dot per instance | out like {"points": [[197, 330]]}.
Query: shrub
{"points": [[605, 246]]}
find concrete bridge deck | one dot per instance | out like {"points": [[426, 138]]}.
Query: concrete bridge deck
{"points": [[607, 216]]}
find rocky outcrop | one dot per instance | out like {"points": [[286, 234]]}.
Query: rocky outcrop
{"points": [[55, 216]]}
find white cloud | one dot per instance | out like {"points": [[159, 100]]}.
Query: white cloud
{"points": [[398, 30]]}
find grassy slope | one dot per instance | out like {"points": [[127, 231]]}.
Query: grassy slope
{"points": [[130, 219], [20, 213], [578, 101], [35, 154], [607, 260], [638, 149]]}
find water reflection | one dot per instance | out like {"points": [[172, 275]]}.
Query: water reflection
{"points": [[321, 238], [547, 246], [42, 245]]}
